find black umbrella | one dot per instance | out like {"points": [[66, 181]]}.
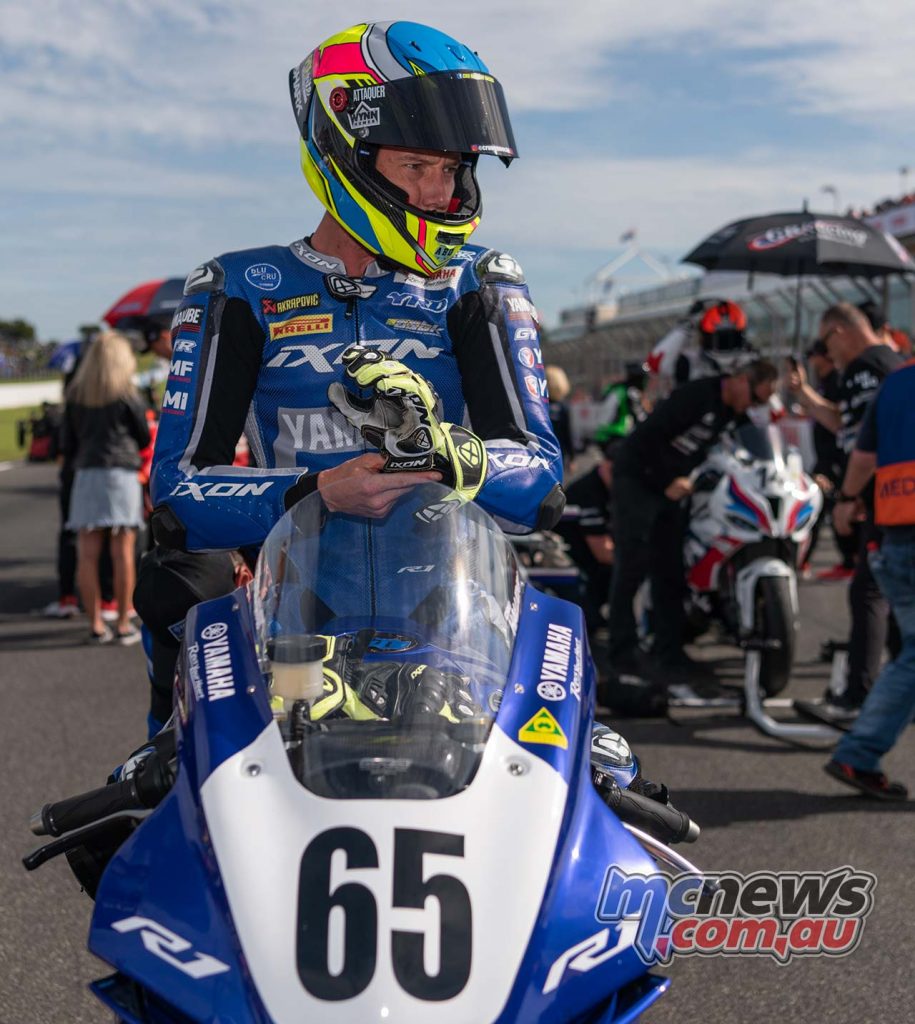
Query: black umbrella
{"points": [[802, 244]]}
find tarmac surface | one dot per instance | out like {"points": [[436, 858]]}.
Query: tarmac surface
{"points": [[71, 712]]}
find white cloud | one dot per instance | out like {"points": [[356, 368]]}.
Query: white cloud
{"points": [[165, 124]]}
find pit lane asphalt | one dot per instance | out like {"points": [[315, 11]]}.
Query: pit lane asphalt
{"points": [[71, 712]]}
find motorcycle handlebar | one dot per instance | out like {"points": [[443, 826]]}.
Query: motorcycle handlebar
{"points": [[660, 820], [144, 789]]}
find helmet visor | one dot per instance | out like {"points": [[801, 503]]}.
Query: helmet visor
{"points": [[457, 112]]}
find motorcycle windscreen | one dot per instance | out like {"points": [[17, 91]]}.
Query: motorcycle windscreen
{"points": [[389, 640]]}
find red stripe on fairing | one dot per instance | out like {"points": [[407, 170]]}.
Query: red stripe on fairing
{"points": [[700, 576], [760, 514], [342, 59], [795, 512]]}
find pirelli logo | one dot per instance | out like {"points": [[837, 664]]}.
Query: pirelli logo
{"points": [[298, 325]]}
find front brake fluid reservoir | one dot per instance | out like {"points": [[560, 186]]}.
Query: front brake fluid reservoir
{"points": [[298, 668]]}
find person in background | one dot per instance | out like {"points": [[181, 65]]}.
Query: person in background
{"points": [[104, 429], [67, 604], [651, 477], [587, 529], [830, 462], [864, 361], [885, 445], [622, 405], [558, 388]]}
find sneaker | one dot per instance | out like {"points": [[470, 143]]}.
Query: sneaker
{"points": [[874, 784], [837, 572], [97, 639], [128, 638], [110, 611], [835, 712], [65, 608]]}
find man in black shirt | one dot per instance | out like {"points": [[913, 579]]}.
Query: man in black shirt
{"points": [[651, 477], [863, 361], [830, 461]]}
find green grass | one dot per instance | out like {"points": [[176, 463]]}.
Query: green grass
{"points": [[9, 418]]}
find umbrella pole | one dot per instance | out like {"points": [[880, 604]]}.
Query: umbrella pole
{"points": [[797, 317]]}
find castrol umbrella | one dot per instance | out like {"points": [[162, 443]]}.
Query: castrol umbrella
{"points": [[803, 244], [153, 300]]}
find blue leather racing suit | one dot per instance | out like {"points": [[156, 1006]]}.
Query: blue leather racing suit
{"points": [[258, 338]]}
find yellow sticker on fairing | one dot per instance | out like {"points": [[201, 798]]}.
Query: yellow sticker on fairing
{"points": [[543, 728]]}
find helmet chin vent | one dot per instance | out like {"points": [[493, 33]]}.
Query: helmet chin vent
{"points": [[450, 238]]}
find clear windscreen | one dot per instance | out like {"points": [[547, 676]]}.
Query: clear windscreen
{"points": [[388, 641], [761, 442]]}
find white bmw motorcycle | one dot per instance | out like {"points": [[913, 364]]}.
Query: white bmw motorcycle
{"points": [[751, 517]]}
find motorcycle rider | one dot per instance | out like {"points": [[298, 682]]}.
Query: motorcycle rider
{"points": [[651, 477], [393, 118]]}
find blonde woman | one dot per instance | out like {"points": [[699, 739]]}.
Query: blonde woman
{"points": [[104, 429]]}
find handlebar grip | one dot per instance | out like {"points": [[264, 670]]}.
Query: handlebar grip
{"points": [[77, 811], [144, 789], [660, 820]]}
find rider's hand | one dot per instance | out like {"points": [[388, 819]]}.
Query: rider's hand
{"points": [[358, 487], [401, 415], [678, 488], [403, 419]]}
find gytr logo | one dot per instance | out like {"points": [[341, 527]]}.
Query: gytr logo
{"points": [[777, 914]]}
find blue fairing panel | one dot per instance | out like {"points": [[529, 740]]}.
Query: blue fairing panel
{"points": [[594, 839], [160, 918]]}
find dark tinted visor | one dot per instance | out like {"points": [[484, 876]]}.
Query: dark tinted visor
{"points": [[457, 112]]}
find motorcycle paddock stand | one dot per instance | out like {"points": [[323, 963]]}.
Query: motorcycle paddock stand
{"points": [[756, 707]]}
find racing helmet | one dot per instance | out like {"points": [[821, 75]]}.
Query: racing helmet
{"points": [[722, 327], [397, 84]]}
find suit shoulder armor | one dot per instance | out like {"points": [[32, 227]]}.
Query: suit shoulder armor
{"points": [[208, 277], [499, 266]]}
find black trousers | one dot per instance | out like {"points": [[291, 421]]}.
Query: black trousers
{"points": [[169, 584], [648, 536], [872, 625]]}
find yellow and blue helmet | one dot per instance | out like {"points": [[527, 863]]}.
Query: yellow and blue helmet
{"points": [[397, 84]]}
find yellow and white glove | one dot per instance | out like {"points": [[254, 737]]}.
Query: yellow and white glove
{"points": [[402, 418]]}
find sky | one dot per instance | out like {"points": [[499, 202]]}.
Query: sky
{"points": [[141, 137]]}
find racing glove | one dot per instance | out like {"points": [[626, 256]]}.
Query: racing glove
{"points": [[402, 418]]}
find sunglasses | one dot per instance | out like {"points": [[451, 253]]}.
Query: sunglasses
{"points": [[822, 340]]}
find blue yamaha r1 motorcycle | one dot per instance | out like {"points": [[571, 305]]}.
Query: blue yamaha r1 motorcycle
{"points": [[380, 804]]}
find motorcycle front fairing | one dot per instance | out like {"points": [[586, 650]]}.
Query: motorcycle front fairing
{"points": [[251, 895], [749, 495]]}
